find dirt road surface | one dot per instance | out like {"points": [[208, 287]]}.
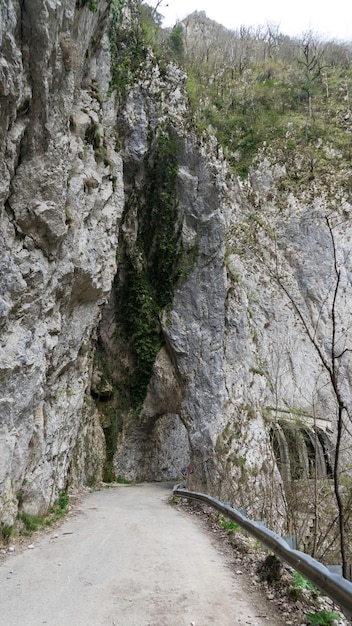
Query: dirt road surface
{"points": [[127, 558]]}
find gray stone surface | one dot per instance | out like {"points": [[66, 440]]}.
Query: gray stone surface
{"points": [[235, 356], [58, 242]]}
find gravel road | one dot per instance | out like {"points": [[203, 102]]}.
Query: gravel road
{"points": [[127, 558]]}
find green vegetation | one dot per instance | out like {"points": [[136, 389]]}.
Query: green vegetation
{"points": [[176, 45], [110, 434], [32, 523], [228, 524], [258, 370], [93, 135], [160, 228], [122, 481], [60, 506], [257, 88], [176, 500], [148, 273], [6, 532], [270, 569], [238, 461], [127, 46], [322, 618], [139, 323], [150, 277], [131, 39], [300, 584], [93, 5]]}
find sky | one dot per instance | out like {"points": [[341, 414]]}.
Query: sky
{"points": [[330, 19]]}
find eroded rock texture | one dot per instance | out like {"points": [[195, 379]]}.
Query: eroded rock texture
{"points": [[143, 323], [61, 200]]}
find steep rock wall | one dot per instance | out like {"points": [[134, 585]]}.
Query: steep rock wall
{"points": [[137, 270], [238, 355], [61, 200], [188, 412], [288, 329]]}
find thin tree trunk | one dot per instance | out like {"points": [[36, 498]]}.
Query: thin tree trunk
{"points": [[339, 499]]}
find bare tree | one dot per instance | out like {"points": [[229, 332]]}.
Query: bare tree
{"points": [[311, 60], [273, 39], [155, 9]]}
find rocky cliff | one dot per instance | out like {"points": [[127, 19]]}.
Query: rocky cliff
{"points": [[61, 201], [154, 308]]}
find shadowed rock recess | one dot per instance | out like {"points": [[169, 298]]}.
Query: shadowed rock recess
{"points": [[144, 325]]}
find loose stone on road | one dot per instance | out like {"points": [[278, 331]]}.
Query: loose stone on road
{"points": [[127, 559]]}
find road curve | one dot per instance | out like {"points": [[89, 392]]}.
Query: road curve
{"points": [[126, 559]]}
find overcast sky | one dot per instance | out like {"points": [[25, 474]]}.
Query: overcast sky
{"points": [[328, 18]]}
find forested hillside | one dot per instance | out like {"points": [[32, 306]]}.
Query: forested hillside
{"points": [[257, 88]]}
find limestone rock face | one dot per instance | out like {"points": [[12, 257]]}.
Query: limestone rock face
{"points": [[154, 310], [191, 411], [58, 240], [288, 323], [248, 335], [187, 378]]}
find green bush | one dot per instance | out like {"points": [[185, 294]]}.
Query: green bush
{"points": [[321, 618], [229, 525], [31, 523], [62, 501], [93, 5], [129, 43], [6, 532], [176, 42], [299, 584], [270, 570]]}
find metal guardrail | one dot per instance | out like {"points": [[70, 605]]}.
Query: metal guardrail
{"points": [[334, 586]]}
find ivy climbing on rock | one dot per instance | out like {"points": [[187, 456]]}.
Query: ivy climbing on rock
{"points": [[150, 272]]}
